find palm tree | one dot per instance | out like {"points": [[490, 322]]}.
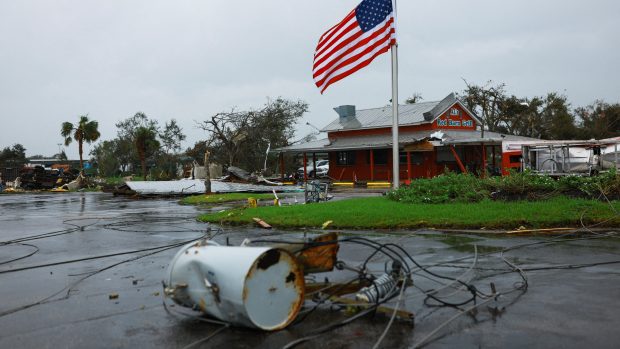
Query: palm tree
{"points": [[146, 142], [84, 131]]}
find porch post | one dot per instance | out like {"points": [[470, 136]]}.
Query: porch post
{"points": [[494, 165], [305, 165], [314, 164], [372, 165], [282, 166], [484, 161], [409, 166]]}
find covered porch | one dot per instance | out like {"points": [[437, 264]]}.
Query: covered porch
{"points": [[369, 158]]}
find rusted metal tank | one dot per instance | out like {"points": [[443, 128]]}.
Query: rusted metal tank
{"points": [[260, 287]]}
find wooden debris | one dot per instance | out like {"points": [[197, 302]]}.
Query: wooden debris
{"points": [[262, 223], [334, 289], [402, 315], [547, 230], [320, 258]]}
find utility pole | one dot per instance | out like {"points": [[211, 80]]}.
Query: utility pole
{"points": [[207, 173]]}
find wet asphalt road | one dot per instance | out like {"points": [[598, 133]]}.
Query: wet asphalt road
{"points": [[49, 303]]}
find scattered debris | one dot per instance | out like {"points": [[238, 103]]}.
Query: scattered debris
{"points": [[316, 191], [238, 174], [36, 177], [276, 201], [402, 315], [192, 187], [533, 231], [262, 223], [326, 224], [113, 296], [319, 255]]}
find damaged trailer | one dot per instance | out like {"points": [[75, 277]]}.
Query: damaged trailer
{"points": [[561, 158]]}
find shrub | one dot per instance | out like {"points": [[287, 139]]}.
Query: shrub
{"points": [[522, 185], [448, 187], [452, 187]]}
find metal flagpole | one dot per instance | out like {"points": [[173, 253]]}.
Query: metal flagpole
{"points": [[395, 148]]}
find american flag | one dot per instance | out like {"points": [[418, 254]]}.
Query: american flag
{"points": [[352, 44]]}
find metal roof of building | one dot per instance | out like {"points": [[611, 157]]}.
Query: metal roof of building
{"points": [[408, 114], [385, 140]]}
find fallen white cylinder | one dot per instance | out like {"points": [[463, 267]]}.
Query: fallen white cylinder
{"points": [[259, 287]]}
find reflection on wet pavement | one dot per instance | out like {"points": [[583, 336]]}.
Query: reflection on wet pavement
{"points": [[69, 252]]}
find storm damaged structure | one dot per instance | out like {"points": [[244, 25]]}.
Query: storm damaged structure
{"points": [[570, 157], [433, 137]]}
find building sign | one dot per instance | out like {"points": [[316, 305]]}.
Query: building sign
{"points": [[455, 117]]}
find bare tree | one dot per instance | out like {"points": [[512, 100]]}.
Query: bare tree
{"points": [[228, 130], [415, 98], [240, 138], [486, 101]]}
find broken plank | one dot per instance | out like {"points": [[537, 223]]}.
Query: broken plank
{"points": [[402, 315], [262, 223]]}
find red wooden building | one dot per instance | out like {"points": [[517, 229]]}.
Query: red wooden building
{"points": [[433, 136]]}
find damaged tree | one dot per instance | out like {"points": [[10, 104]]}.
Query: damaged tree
{"points": [[486, 102], [240, 138]]}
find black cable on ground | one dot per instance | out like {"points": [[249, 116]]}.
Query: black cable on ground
{"points": [[178, 244], [36, 249], [69, 288]]}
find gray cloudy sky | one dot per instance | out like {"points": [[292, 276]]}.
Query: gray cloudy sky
{"points": [[190, 59]]}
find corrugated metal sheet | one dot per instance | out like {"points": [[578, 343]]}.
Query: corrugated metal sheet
{"points": [[408, 114], [385, 140], [195, 186], [382, 117]]}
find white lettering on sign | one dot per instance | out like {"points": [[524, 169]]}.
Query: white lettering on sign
{"points": [[442, 122], [468, 123], [455, 123]]}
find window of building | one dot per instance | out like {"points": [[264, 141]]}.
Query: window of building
{"points": [[380, 156], [417, 157], [346, 158], [454, 111], [515, 159], [444, 154]]}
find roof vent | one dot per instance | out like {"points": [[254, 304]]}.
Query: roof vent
{"points": [[345, 111], [428, 116]]}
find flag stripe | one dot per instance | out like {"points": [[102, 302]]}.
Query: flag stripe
{"points": [[382, 42], [364, 33], [336, 78], [356, 45], [355, 35], [348, 47], [328, 34], [343, 33], [357, 48]]}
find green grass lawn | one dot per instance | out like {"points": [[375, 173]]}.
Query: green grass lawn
{"points": [[381, 213], [228, 197]]}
